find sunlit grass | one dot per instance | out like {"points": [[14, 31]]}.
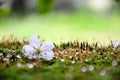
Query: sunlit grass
{"points": [[64, 27]]}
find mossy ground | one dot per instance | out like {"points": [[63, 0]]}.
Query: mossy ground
{"points": [[71, 62]]}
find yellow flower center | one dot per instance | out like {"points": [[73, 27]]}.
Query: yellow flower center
{"points": [[38, 51]]}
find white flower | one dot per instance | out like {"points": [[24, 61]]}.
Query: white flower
{"points": [[48, 55], [116, 44], [37, 50]]}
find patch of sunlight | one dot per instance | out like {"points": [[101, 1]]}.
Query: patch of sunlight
{"points": [[63, 28]]}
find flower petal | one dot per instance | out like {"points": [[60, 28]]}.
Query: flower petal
{"points": [[34, 42], [33, 56], [28, 50], [30, 57], [36, 56], [47, 55], [116, 44], [47, 46]]}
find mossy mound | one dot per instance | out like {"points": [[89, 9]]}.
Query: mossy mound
{"points": [[72, 61]]}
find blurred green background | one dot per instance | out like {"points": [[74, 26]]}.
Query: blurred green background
{"points": [[61, 20]]}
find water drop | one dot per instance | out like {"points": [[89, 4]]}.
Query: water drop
{"points": [[114, 63], [30, 65], [62, 60], [102, 72], [91, 68], [84, 69], [19, 65]]}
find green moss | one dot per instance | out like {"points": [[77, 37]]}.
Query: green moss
{"points": [[92, 54]]}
